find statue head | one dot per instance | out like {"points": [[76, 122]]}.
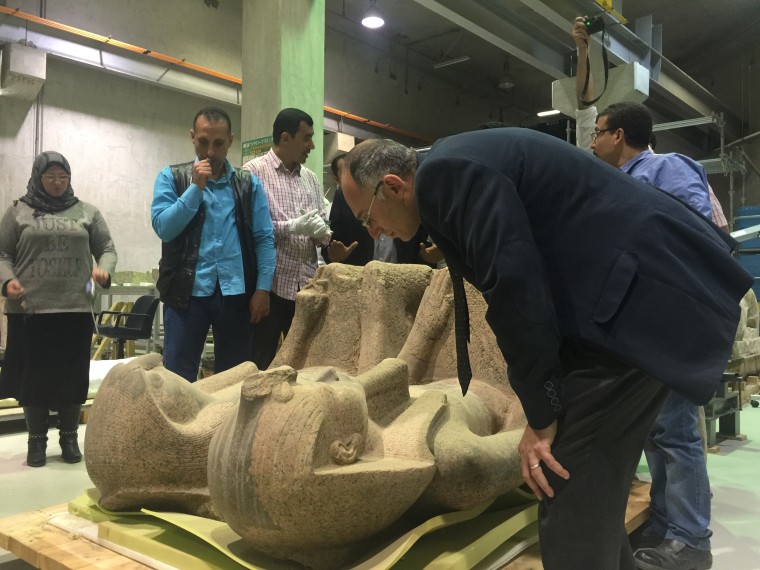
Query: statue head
{"points": [[303, 467]]}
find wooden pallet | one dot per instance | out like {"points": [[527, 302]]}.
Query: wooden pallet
{"points": [[31, 538]]}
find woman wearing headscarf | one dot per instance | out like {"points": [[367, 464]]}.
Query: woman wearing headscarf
{"points": [[48, 239]]}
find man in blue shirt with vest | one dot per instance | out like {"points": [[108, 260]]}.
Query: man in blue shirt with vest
{"points": [[218, 252], [678, 534]]}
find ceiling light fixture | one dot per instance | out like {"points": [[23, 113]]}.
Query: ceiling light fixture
{"points": [[451, 61], [505, 82], [372, 18], [548, 113]]}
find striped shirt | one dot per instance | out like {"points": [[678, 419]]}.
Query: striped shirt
{"points": [[289, 194], [718, 217]]}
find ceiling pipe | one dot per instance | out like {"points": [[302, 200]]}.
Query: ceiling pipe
{"points": [[375, 124], [218, 86], [116, 43]]}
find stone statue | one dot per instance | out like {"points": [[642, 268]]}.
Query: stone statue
{"points": [[359, 423], [315, 464], [354, 317], [148, 434]]}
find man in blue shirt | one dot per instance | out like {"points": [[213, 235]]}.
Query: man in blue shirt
{"points": [[218, 252], [678, 535], [621, 138]]}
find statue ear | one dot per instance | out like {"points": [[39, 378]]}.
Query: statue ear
{"points": [[346, 453]]}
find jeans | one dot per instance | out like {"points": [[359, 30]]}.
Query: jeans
{"points": [[185, 332], [680, 492]]}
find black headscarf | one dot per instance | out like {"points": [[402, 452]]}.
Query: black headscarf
{"points": [[36, 197]]}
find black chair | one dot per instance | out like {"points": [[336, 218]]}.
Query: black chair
{"points": [[134, 325]]}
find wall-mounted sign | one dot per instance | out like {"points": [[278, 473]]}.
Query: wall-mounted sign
{"points": [[256, 147]]}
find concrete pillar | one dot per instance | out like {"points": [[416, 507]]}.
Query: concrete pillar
{"points": [[283, 66]]}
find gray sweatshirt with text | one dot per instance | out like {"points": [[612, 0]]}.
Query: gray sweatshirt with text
{"points": [[52, 256]]}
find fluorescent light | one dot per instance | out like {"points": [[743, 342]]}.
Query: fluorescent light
{"points": [[372, 18], [453, 61], [547, 113]]}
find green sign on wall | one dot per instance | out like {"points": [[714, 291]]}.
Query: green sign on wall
{"points": [[256, 147]]}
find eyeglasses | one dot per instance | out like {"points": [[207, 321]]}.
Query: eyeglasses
{"points": [[598, 132], [366, 221], [56, 178]]}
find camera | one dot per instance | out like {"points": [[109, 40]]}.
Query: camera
{"points": [[594, 25]]}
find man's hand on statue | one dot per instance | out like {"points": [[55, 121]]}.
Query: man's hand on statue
{"points": [[337, 251], [259, 305], [430, 255], [535, 456]]}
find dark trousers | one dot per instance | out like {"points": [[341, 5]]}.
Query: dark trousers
{"points": [[266, 333], [47, 359], [185, 332], [609, 409]]}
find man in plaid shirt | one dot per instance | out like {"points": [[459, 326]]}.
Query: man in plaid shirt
{"points": [[298, 217]]}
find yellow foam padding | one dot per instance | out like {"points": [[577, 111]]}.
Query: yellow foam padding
{"points": [[221, 537], [463, 546], [473, 535], [88, 507], [162, 541], [155, 538], [395, 554]]}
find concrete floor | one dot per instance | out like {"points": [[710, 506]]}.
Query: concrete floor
{"points": [[29, 488], [733, 473]]}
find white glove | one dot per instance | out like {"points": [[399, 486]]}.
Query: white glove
{"points": [[304, 224], [321, 230]]}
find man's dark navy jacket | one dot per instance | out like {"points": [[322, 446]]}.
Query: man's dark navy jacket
{"points": [[562, 245]]}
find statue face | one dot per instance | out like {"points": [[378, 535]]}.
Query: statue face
{"points": [[313, 470], [177, 399], [338, 405]]}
